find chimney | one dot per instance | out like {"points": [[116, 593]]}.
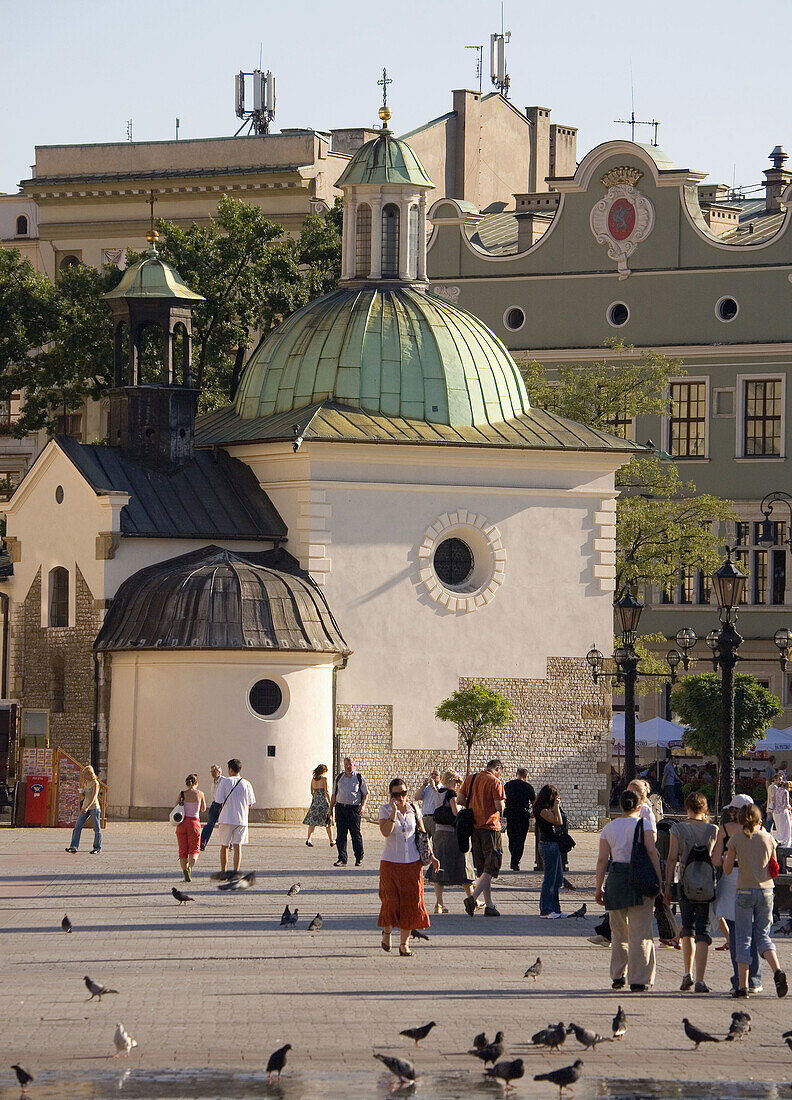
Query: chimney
{"points": [[777, 179]]}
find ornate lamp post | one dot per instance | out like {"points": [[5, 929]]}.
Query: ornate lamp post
{"points": [[729, 583], [767, 534]]}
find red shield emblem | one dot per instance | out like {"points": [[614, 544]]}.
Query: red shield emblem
{"points": [[621, 219]]}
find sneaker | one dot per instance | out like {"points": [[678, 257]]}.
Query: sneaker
{"points": [[756, 989], [567, 885], [358, 861], [617, 983], [687, 983], [480, 903], [340, 863], [599, 941], [515, 869], [639, 988], [95, 851], [470, 906], [780, 980], [557, 916], [491, 911], [72, 850], [740, 993], [701, 987]]}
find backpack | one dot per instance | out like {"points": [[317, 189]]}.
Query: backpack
{"points": [[698, 876], [444, 815]]}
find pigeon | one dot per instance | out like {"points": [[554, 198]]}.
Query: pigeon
{"points": [[66, 924], [550, 1036], [96, 990], [788, 1042], [740, 1026], [568, 885], [405, 1071], [619, 1024], [565, 1077], [418, 1033], [491, 1052], [581, 912], [416, 935], [534, 970], [24, 1077], [293, 890], [277, 1060], [244, 882], [180, 897], [289, 919], [696, 1035], [480, 1040], [507, 1071], [585, 1037], [123, 1041], [316, 923], [786, 1034]]}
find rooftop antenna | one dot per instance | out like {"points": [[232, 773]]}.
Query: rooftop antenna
{"points": [[500, 78], [479, 64], [632, 122], [129, 129], [259, 118], [178, 124]]}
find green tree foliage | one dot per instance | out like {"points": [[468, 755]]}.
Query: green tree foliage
{"points": [[478, 711], [697, 701], [28, 312]]}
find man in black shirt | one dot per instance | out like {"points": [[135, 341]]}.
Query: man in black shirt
{"points": [[520, 796]]}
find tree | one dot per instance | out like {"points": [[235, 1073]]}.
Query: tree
{"points": [[698, 702], [478, 711], [28, 313]]}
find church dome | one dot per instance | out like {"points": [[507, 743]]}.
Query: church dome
{"points": [[152, 277], [384, 159], [220, 599], [391, 351]]}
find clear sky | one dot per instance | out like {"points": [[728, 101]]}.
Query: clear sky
{"points": [[714, 75]]}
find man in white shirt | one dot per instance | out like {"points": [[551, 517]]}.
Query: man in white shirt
{"points": [[431, 794], [350, 794], [236, 796]]}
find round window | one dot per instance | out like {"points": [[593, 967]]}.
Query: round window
{"points": [[618, 314], [514, 318], [726, 309], [265, 697], [59, 495], [453, 562]]}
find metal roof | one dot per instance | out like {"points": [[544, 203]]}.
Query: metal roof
{"points": [[152, 277], [214, 598], [213, 497], [332, 422], [385, 159], [36, 182]]}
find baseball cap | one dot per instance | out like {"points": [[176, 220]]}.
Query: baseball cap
{"points": [[739, 801]]}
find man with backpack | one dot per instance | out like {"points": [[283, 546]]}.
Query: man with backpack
{"points": [[691, 844], [349, 797]]}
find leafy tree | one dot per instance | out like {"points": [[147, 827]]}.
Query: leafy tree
{"points": [[28, 312], [478, 711], [698, 702]]}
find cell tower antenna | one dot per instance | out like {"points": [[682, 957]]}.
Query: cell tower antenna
{"points": [[479, 64], [258, 118], [500, 78]]}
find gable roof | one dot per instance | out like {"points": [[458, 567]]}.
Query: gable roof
{"points": [[213, 497]]}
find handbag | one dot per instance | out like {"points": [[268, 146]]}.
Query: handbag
{"points": [[422, 842], [666, 921], [465, 822], [176, 816], [444, 815], [773, 868], [565, 843], [642, 874]]}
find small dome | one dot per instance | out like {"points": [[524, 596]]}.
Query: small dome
{"points": [[219, 599], [152, 277], [385, 159], [396, 352]]}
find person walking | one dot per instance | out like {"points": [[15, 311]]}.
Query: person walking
{"points": [[455, 867], [782, 818], [401, 876], [772, 787], [235, 796], [350, 795], [90, 810], [750, 849], [549, 829], [520, 797], [726, 895], [188, 831], [431, 794], [213, 812], [669, 784], [695, 832], [319, 810], [632, 944], [483, 794]]}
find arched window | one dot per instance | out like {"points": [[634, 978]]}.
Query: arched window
{"points": [[363, 241], [412, 243], [22, 226], [69, 261], [57, 685], [59, 596], [390, 241]]}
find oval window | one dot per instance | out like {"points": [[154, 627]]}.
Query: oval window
{"points": [[618, 314], [59, 495], [265, 697], [453, 562], [726, 309], [514, 318]]}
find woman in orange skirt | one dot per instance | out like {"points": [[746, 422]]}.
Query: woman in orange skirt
{"points": [[401, 875], [188, 831]]}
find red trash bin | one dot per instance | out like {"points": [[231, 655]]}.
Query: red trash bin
{"points": [[36, 787]]}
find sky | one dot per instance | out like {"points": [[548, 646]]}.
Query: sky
{"points": [[74, 71]]}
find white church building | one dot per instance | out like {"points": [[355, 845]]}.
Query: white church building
{"points": [[379, 518]]}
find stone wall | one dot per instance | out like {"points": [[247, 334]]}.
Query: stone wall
{"points": [[560, 733]]}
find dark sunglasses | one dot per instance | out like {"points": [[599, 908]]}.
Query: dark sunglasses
{"points": [[398, 794]]}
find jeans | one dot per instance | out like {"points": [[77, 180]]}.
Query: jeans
{"points": [[755, 968], [348, 824], [96, 817], [753, 914], [553, 877], [211, 821]]}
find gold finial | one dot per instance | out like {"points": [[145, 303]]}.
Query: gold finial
{"points": [[152, 236], [385, 111], [385, 115]]}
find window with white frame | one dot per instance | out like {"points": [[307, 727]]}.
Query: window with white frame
{"points": [[762, 409], [687, 421]]}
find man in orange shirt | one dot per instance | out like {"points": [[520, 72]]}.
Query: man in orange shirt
{"points": [[484, 795]]}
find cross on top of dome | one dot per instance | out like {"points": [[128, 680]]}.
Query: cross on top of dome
{"points": [[385, 111]]}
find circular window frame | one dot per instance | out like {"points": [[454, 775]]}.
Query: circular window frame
{"points": [[719, 303], [471, 570], [609, 311], [513, 328], [59, 494], [285, 697], [484, 541]]}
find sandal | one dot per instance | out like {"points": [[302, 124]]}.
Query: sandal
{"points": [[385, 941], [404, 950], [440, 908], [308, 844]]}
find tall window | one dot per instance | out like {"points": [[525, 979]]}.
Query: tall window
{"points": [[688, 420], [412, 243], [390, 241], [760, 576], [778, 577], [363, 241], [762, 417], [687, 587], [59, 596], [22, 226]]}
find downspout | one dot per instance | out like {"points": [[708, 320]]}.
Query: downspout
{"points": [[4, 603], [95, 725], [336, 739]]}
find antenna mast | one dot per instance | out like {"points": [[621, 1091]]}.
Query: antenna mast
{"points": [[632, 122], [259, 118], [479, 64], [500, 78]]}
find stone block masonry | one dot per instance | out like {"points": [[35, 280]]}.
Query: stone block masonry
{"points": [[560, 733]]}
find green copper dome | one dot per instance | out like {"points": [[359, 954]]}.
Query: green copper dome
{"points": [[395, 352], [152, 277], [385, 159]]}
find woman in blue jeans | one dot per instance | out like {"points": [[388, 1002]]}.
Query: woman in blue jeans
{"points": [[549, 824], [752, 848], [89, 788], [726, 895]]}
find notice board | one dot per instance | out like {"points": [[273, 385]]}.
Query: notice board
{"points": [[68, 792]]}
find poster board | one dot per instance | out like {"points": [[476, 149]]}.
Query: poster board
{"points": [[37, 762], [68, 806]]}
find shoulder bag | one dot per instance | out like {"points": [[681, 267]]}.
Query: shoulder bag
{"points": [[176, 816], [642, 875], [422, 842], [444, 815], [465, 822]]}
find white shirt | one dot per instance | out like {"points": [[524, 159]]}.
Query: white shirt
{"points": [[400, 846], [619, 834], [238, 802], [432, 797], [648, 813]]}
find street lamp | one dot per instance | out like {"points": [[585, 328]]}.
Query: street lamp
{"points": [[767, 533], [729, 584]]}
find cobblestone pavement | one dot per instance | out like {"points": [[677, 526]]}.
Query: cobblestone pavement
{"points": [[218, 984]]}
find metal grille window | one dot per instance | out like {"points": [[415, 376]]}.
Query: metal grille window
{"points": [[59, 596], [390, 241], [453, 562], [762, 418], [363, 241], [760, 576], [688, 419], [265, 697]]}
